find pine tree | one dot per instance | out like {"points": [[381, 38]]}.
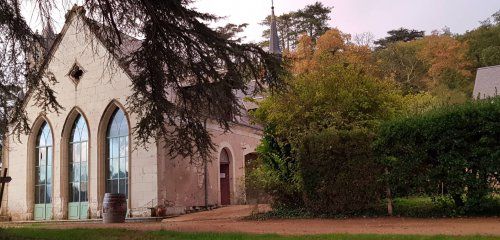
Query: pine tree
{"points": [[176, 43]]}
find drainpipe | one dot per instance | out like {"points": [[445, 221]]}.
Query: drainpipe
{"points": [[206, 182], [205, 175]]}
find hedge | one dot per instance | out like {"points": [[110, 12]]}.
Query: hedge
{"points": [[452, 151], [339, 172]]}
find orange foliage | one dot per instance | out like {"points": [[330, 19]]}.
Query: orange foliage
{"points": [[331, 47], [331, 42], [444, 52]]}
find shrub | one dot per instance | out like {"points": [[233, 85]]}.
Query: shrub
{"points": [[453, 151], [339, 172], [276, 173]]}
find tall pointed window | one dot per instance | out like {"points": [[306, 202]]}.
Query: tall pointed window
{"points": [[78, 170], [117, 154], [43, 174]]}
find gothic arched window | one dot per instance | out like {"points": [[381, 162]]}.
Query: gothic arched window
{"points": [[78, 169], [117, 153], [43, 173]]}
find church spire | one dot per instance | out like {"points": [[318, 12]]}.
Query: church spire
{"points": [[274, 46], [48, 34]]}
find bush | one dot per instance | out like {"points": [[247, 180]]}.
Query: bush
{"points": [[339, 172], [452, 151], [276, 173]]}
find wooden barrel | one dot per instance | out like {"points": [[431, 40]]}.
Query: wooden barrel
{"points": [[114, 208]]}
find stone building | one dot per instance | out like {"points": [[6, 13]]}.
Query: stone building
{"points": [[69, 160]]}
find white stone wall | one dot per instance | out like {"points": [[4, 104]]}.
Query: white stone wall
{"points": [[100, 85], [154, 177]]}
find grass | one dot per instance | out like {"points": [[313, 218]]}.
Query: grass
{"points": [[120, 234], [421, 207]]}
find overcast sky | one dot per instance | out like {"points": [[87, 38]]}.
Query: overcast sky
{"points": [[358, 16], [350, 16]]}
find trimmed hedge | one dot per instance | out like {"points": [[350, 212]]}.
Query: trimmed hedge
{"points": [[452, 151], [339, 172]]}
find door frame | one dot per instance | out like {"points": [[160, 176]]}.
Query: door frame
{"points": [[228, 179], [32, 158], [226, 146], [72, 116]]}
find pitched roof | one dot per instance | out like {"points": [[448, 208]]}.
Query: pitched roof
{"points": [[128, 46], [487, 82]]}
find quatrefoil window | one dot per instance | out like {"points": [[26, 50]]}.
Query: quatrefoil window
{"points": [[76, 73]]}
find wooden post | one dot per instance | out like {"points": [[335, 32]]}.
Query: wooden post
{"points": [[4, 179], [389, 197]]}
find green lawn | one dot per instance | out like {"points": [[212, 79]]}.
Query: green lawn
{"points": [[119, 234]]}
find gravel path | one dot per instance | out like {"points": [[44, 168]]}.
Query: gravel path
{"points": [[229, 219]]}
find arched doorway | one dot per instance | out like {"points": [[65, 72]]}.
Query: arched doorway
{"points": [[224, 175], [43, 173], [78, 170]]}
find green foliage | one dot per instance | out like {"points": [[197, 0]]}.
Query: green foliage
{"points": [[452, 151], [401, 62], [339, 172], [436, 64], [483, 44], [399, 35], [490, 56], [419, 103], [311, 20], [277, 172], [332, 97]]}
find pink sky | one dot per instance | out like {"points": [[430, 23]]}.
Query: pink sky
{"points": [[357, 16], [350, 16]]}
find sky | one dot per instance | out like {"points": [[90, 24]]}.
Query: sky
{"points": [[359, 16], [350, 16]]}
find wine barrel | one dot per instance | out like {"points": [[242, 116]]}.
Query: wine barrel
{"points": [[114, 208]]}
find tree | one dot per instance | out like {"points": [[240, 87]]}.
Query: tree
{"points": [[311, 20], [231, 31], [330, 92], [482, 42], [444, 54], [490, 56], [399, 61], [496, 17], [333, 94], [333, 47], [176, 43], [437, 64], [399, 35], [286, 24], [364, 39]]}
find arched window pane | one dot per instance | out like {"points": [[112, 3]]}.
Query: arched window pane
{"points": [[78, 153], [117, 154], [224, 156], [79, 133], [43, 165]]}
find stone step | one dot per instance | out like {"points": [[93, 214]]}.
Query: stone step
{"points": [[137, 219]]}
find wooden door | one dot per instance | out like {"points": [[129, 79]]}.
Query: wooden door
{"points": [[224, 184]]}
